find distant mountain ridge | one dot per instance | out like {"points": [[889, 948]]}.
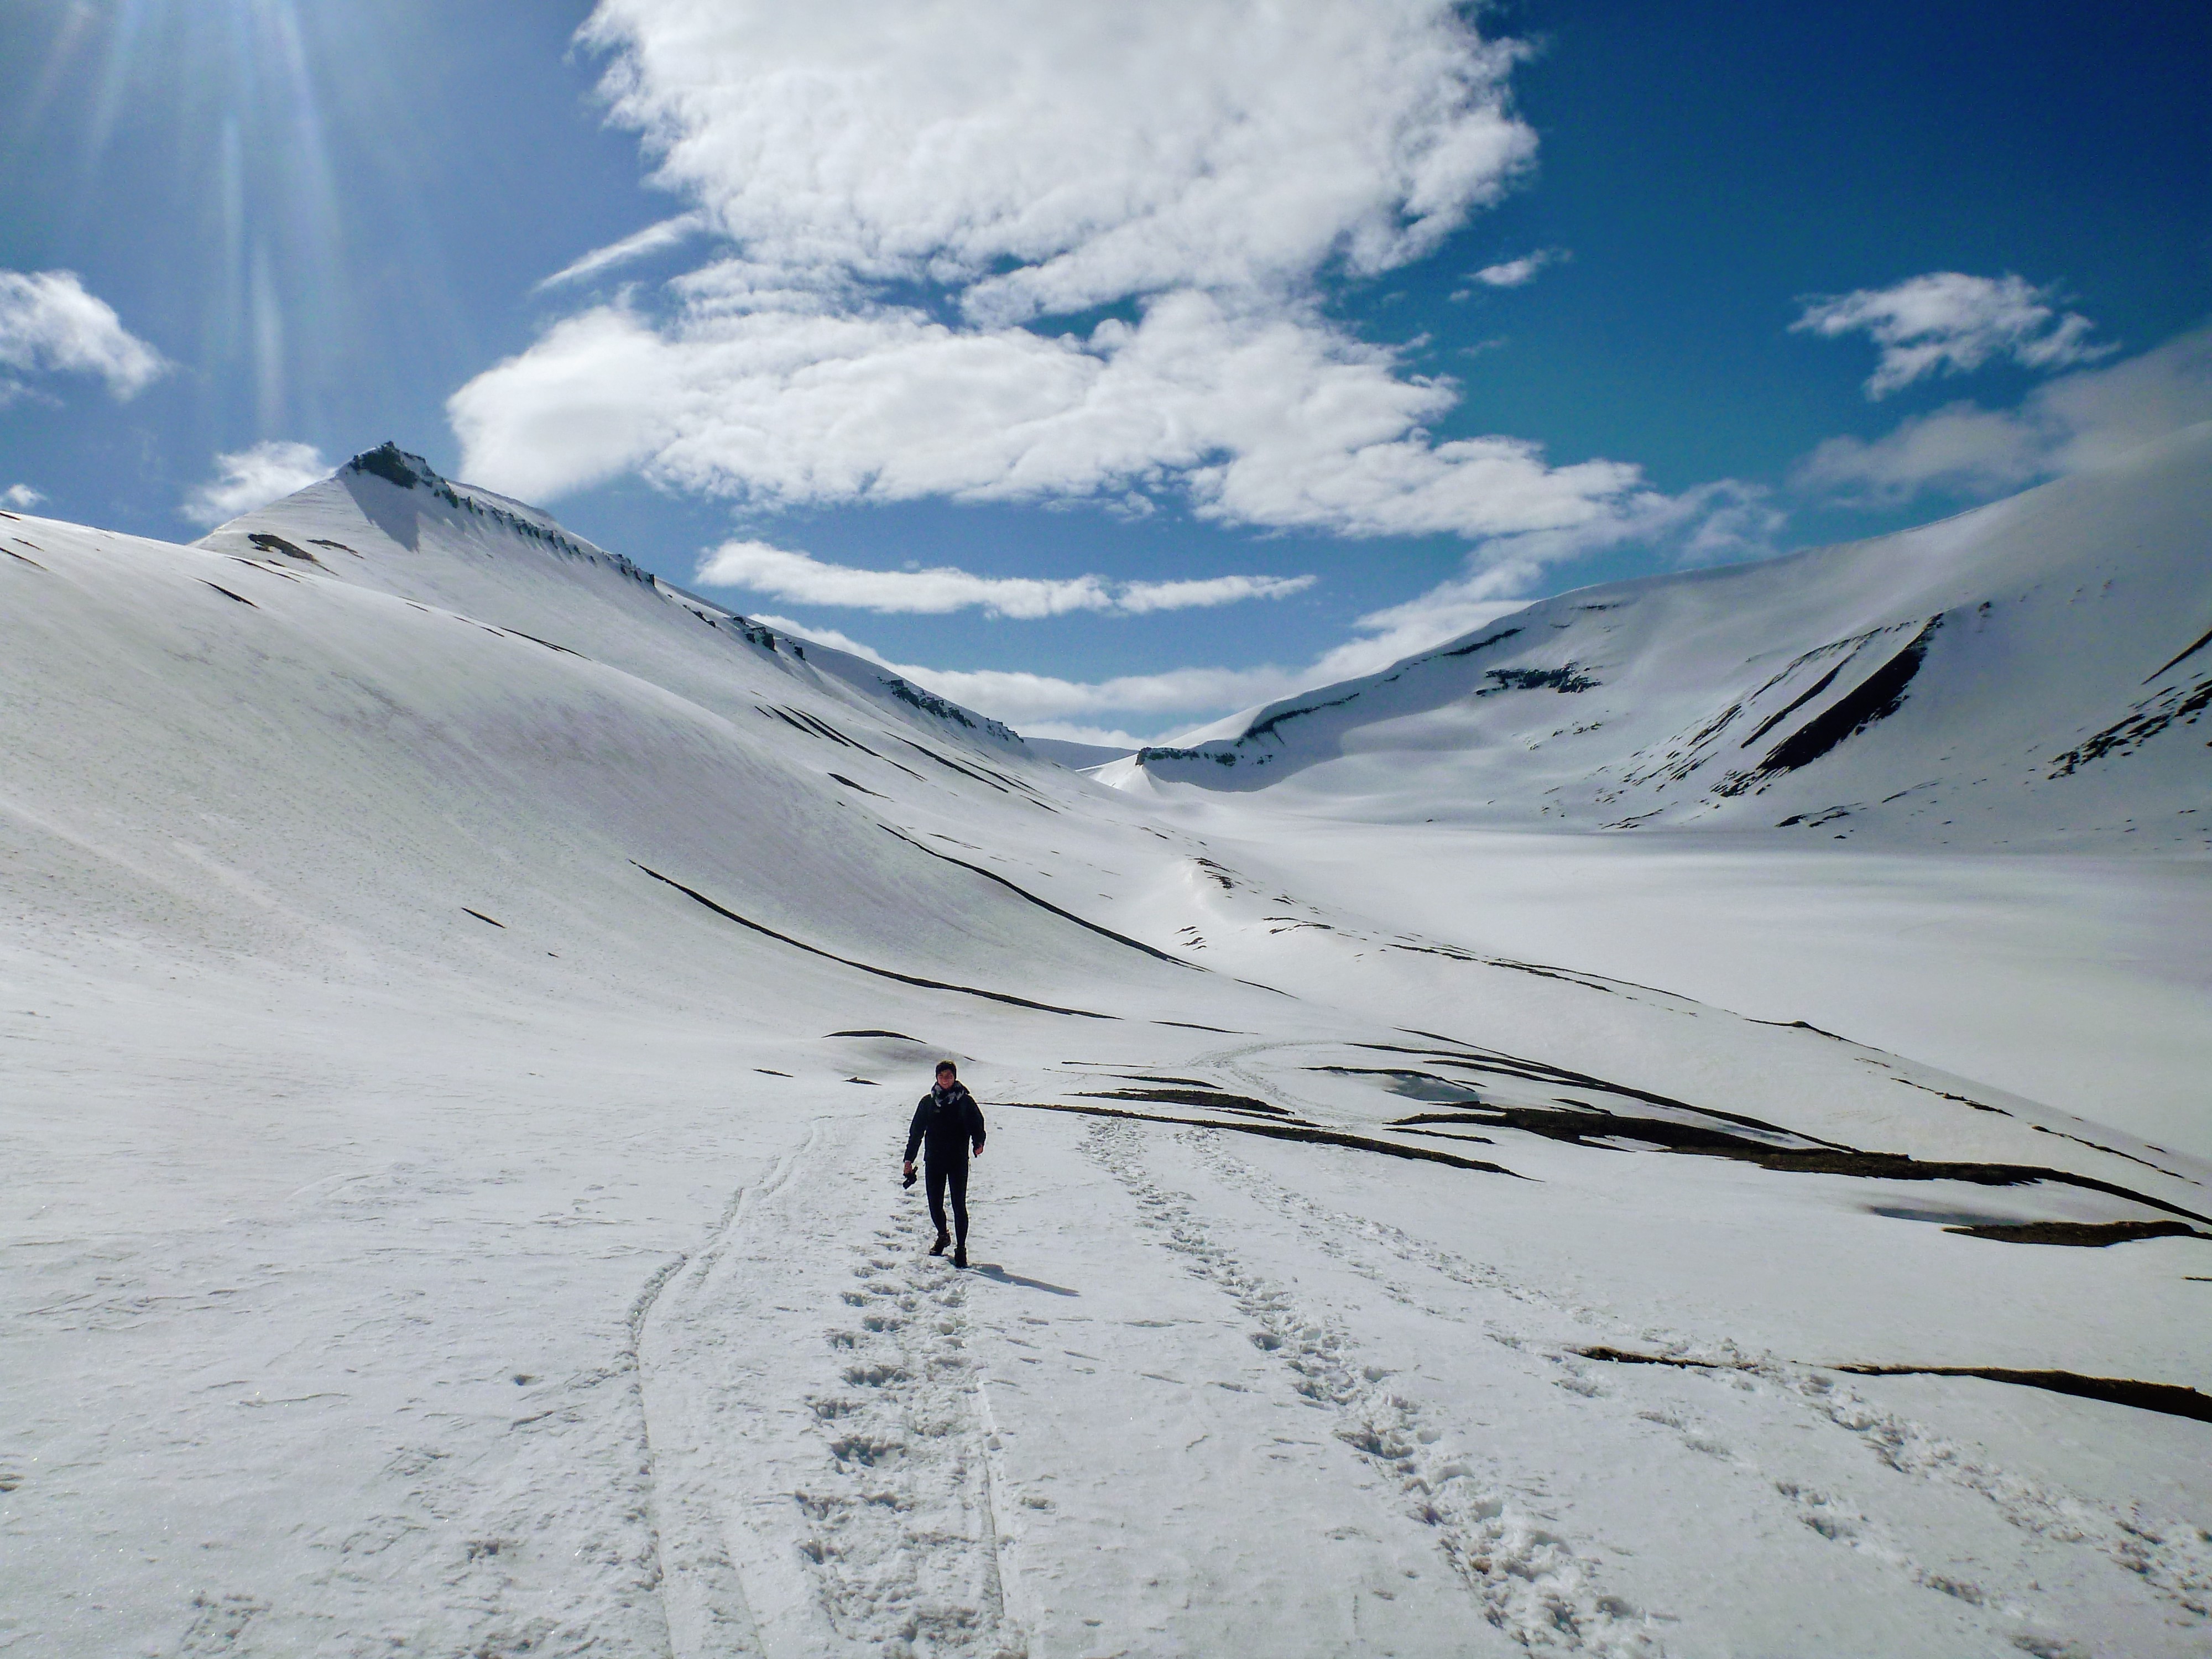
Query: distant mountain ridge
{"points": [[471, 564], [2028, 671]]}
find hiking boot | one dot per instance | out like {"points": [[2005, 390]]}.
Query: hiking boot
{"points": [[960, 1256], [937, 1248]]}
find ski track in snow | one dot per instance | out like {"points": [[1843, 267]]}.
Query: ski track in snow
{"points": [[904, 1530], [878, 1529], [1529, 1581], [2171, 1557]]}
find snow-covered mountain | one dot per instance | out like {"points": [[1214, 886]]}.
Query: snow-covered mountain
{"points": [[385, 520], [2031, 672], [464, 1001]]}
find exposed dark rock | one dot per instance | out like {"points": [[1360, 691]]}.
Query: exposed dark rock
{"points": [[268, 543], [2182, 656], [2094, 1235], [1875, 698], [2144, 721], [2165, 1397], [1045, 904], [389, 462], [1212, 1097], [880, 973], [1583, 1129], [1281, 1131], [1537, 679]]}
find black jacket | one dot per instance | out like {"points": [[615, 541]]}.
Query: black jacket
{"points": [[950, 1120]]}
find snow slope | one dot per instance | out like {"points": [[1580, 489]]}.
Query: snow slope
{"points": [[2078, 978], [408, 532], [2033, 673], [463, 1000]]}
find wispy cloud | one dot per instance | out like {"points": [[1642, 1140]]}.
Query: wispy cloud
{"points": [[21, 496], [1726, 521], [248, 478], [1137, 598], [1949, 323], [1715, 523], [802, 579], [1179, 698], [2078, 421], [1044, 701], [1516, 273], [1018, 697], [48, 321], [669, 233]]}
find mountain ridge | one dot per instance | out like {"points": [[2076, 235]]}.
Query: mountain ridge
{"points": [[1928, 681], [399, 494]]}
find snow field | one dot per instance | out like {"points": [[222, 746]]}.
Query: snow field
{"points": [[455, 1092], [2082, 980]]}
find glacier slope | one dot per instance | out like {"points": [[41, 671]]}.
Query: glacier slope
{"points": [[464, 1000], [2030, 673]]}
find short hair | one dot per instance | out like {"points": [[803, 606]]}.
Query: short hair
{"points": [[944, 1066]]}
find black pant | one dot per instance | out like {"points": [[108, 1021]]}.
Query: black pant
{"points": [[953, 1172]]}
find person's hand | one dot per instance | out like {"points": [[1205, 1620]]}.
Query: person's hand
{"points": [[978, 1152], [909, 1166]]}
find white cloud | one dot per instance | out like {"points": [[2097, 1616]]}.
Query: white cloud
{"points": [[669, 233], [1961, 448], [801, 578], [1204, 592], [1516, 273], [1262, 414], [2078, 421], [21, 496], [909, 190], [1949, 323], [1040, 157], [48, 321], [248, 478], [806, 580]]}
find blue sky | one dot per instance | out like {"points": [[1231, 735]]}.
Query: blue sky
{"points": [[1111, 367]]}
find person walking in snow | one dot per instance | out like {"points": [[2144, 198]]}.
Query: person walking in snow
{"points": [[951, 1121]]}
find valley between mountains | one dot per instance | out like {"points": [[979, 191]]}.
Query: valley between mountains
{"points": [[464, 996]]}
